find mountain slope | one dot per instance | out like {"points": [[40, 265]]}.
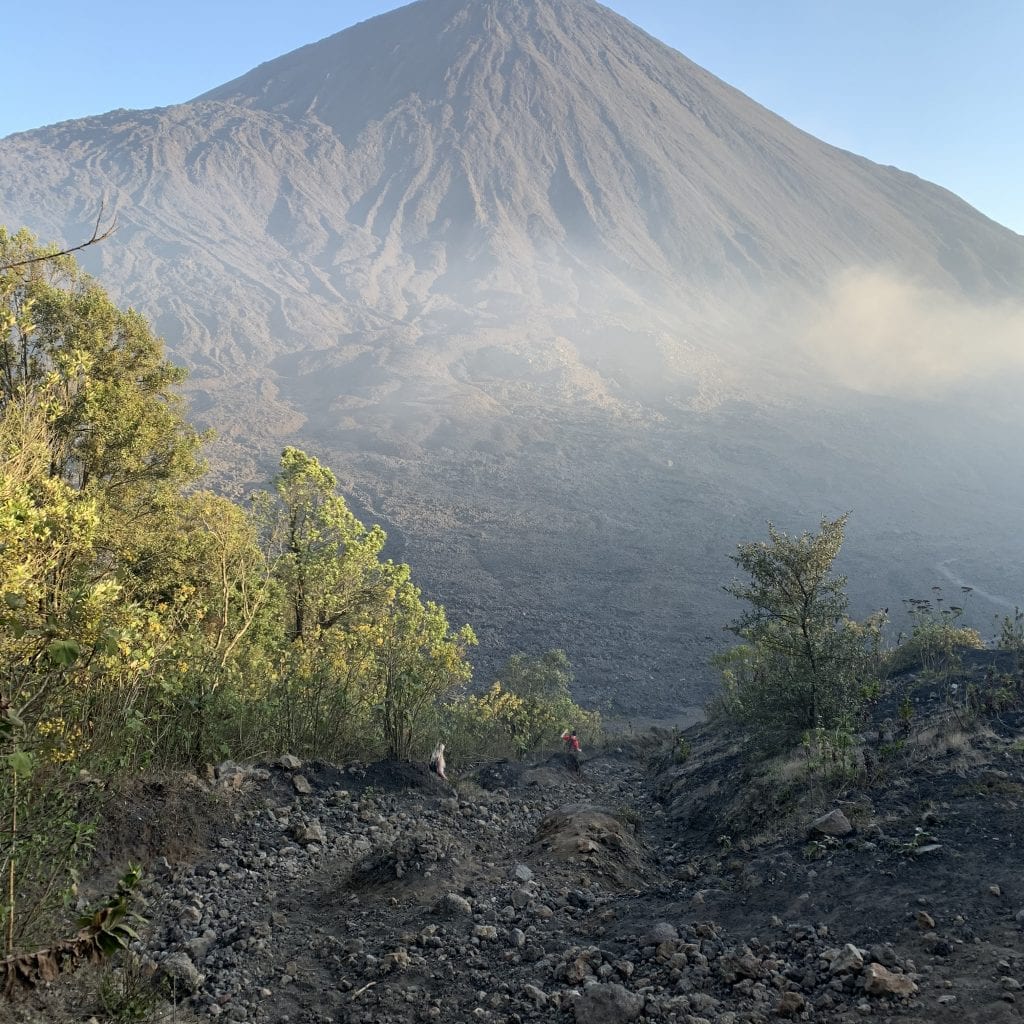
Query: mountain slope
{"points": [[566, 119], [570, 315]]}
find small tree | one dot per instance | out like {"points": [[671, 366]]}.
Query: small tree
{"points": [[116, 415], [544, 685], [804, 663], [419, 661], [327, 561]]}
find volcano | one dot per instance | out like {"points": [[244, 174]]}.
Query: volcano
{"points": [[570, 317]]}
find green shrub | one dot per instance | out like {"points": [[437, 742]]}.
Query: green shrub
{"points": [[526, 710], [831, 754], [46, 837], [935, 639], [682, 751], [1011, 632], [804, 665], [127, 993]]}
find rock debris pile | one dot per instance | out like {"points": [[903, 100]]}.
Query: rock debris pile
{"points": [[359, 904]]}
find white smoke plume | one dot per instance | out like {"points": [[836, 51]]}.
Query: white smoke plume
{"points": [[882, 334]]}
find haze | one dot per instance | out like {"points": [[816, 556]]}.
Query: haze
{"points": [[571, 317]]}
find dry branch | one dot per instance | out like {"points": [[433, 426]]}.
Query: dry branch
{"points": [[96, 237]]}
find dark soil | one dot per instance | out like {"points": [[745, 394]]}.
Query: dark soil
{"points": [[385, 895]]}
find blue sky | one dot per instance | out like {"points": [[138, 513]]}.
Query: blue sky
{"points": [[935, 87]]}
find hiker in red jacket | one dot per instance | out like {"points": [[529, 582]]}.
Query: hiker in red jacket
{"points": [[572, 750]]}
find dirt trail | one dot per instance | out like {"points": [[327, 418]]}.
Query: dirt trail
{"points": [[650, 888]]}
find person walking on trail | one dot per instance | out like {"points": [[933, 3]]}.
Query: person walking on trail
{"points": [[437, 761], [573, 750]]}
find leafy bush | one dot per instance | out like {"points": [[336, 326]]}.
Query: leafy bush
{"points": [[46, 841], [804, 665], [102, 932], [831, 754], [477, 727], [1011, 632], [681, 751], [147, 623], [935, 639], [526, 710]]}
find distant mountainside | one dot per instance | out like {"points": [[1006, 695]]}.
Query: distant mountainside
{"points": [[570, 316]]}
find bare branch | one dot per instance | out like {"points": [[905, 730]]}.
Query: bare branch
{"points": [[94, 239]]}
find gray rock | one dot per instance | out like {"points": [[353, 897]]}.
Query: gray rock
{"points": [[607, 1004], [534, 993], [230, 776], [792, 1004], [658, 933], [289, 762], [201, 945], [624, 967], [884, 955], [522, 873], [454, 905], [311, 833], [191, 915], [743, 965], [847, 961], [183, 975], [880, 982], [302, 785], [835, 823]]}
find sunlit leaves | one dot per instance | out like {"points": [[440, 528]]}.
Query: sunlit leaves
{"points": [[63, 652], [20, 763], [803, 663]]}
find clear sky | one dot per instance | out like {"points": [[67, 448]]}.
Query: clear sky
{"points": [[935, 87]]}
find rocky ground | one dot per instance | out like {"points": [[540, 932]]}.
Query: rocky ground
{"points": [[659, 886]]}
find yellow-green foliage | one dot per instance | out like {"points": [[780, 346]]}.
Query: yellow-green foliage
{"points": [[935, 638], [803, 663], [527, 710], [142, 621], [1011, 632], [478, 726]]}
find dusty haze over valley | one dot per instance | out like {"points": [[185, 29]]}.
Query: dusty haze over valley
{"points": [[571, 318]]}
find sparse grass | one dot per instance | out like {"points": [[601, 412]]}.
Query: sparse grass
{"points": [[759, 839], [786, 793], [126, 992], [630, 817], [790, 769], [467, 789], [946, 735], [955, 741]]}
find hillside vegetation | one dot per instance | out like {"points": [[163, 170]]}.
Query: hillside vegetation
{"points": [[147, 623]]}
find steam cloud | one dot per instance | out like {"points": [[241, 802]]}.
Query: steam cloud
{"points": [[885, 335]]}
